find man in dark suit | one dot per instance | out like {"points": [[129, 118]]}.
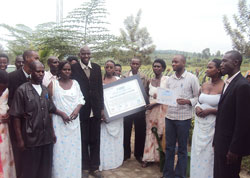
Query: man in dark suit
{"points": [[16, 79], [232, 130], [89, 77]]}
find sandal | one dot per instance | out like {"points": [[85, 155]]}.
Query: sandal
{"points": [[144, 164]]}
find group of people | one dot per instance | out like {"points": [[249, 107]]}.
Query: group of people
{"points": [[52, 123]]}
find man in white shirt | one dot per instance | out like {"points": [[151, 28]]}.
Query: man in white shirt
{"points": [[178, 119], [51, 75]]}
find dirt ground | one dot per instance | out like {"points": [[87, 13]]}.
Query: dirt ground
{"points": [[131, 168]]}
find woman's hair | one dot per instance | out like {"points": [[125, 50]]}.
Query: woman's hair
{"points": [[105, 65], [217, 63], [61, 65], [161, 61], [72, 58], [4, 78], [110, 61]]}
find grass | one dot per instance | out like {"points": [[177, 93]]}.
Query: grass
{"points": [[246, 164]]}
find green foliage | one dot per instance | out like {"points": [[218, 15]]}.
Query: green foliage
{"points": [[1, 49], [84, 25], [19, 38], [246, 164], [89, 25], [241, 34], [206, 53], [136, 40]]}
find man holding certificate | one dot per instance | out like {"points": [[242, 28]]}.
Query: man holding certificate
{"points": [[185, 86]]}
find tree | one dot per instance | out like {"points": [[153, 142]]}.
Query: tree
{"points": [[1, 49], [90, 27], [218, 54], [84, 25], [18, 39], [136, 40], [206, 53], [241, 34]]}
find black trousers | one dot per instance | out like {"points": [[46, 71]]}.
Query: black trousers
{"points": [[36, 162], [224, 170], [140, 133], [90, 132]]}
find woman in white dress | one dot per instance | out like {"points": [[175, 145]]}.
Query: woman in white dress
{"points": [[67, 97], [202, 152], [111, 142]]}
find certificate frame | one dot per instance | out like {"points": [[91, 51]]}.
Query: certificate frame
{"points": [[135, 79]]}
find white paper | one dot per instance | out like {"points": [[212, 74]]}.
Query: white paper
{"points": [[122, 98], [166, 96]]}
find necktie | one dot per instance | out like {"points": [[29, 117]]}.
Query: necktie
{"points": [[28, 78]]}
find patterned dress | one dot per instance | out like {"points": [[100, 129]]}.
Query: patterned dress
{"points": [[154, 118], [202, 152], [7, 165], [67, 159]]}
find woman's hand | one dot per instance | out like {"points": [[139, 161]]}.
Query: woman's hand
{"points": [[74, 114], [204, 112], [65, 118]]}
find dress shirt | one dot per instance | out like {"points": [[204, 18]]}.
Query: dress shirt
{"points": [[26, 75], [85, 68], [227, 82], [186, 87], [48, 77]]}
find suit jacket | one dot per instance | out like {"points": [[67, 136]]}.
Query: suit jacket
{"points": [[232, 130], [91, 88], [16, 78]]}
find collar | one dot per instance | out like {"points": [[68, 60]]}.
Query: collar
{"points": [[26, 75], [83, 66], [182, 75], [231, 78], [50, 75]]}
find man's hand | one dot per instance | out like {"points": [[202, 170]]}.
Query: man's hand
{"points": [[20, 144], [182, 101], [231, 157], [103, 118], [54, 138]]}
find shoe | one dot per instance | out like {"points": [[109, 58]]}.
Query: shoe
{"points": [[139, 159], [85, 174], [96, 174], [144, 164], [126, 158]]}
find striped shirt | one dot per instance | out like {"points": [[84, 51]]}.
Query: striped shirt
{"points": [[186, 87]]}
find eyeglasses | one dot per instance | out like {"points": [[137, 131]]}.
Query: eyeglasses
{"points": [[111, 67]]}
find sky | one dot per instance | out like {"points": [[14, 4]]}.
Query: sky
{"points": [[186, 25]]}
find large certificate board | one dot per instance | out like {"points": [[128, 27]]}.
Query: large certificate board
{"points": [[124, 97]]}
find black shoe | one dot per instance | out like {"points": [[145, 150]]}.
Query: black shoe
{"points": [[96, 174], [139, 159], [126, 158], [85, 174]]}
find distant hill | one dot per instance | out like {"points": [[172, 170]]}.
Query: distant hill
{"points": [[168, 54]]}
